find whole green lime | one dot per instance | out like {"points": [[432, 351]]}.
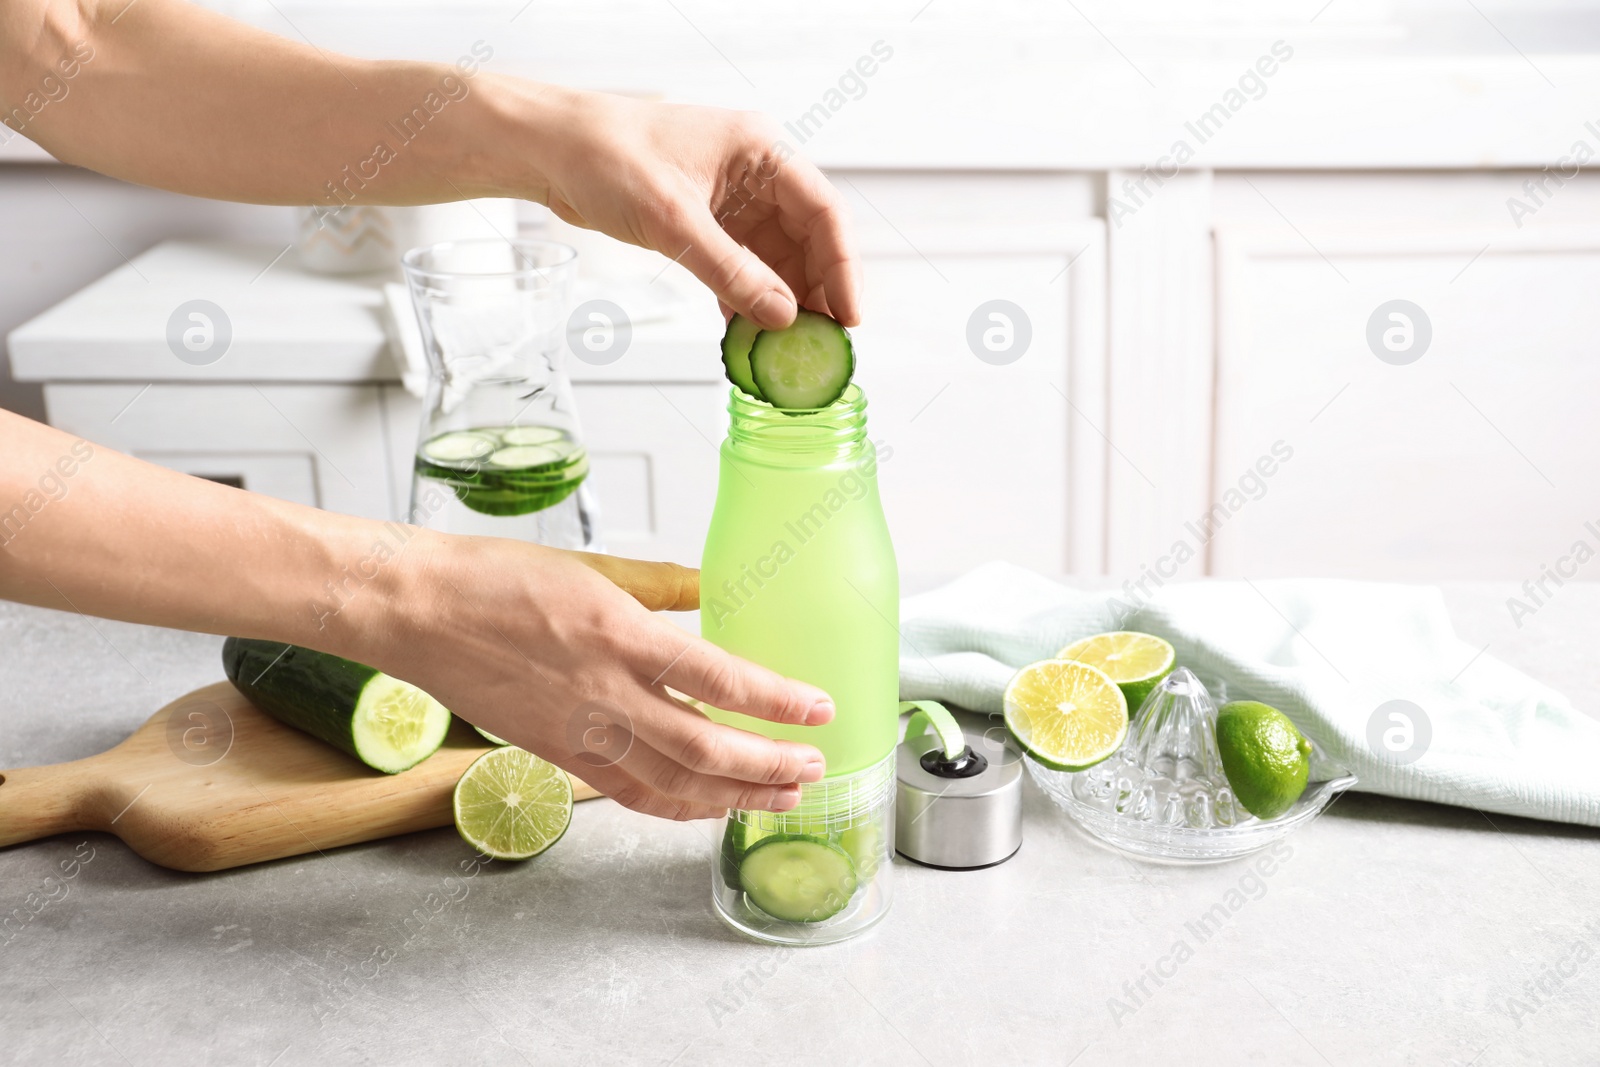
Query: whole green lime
{"points": [[1265, 758]]}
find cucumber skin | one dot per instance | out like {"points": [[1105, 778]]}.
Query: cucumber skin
{"points": [[309, 690], [736, 364]]}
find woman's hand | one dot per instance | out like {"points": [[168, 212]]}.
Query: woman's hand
{"points": [[715, 190], [545, 649]]}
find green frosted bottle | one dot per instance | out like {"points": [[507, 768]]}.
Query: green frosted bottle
{"points": [[799, 576]]}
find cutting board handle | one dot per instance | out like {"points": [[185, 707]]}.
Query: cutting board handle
{"points": [[36, 802]]}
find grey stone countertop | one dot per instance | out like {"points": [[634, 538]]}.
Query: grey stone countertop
{"points": [[1386, 932]]}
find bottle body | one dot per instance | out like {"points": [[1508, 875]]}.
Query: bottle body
{"points": [[799, 576]]}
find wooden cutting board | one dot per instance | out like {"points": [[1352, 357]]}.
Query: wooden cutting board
{"points": [[210, 782]]}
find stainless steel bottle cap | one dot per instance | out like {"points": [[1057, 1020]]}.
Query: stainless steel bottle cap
{"points": [[958, 802]]}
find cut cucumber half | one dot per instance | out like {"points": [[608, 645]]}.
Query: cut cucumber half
{"points": [[512, 805], [385, 723], [453, 449], [736, 342], [798, 879], [530, 435], [804, 367]]}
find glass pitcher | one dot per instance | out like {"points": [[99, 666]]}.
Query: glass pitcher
{"points": [[500, 452], [799, 575]]}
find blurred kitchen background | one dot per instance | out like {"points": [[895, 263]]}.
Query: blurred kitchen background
{"points": [[1161, 288]]}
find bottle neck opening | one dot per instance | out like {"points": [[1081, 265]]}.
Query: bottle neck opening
{"points": [[762, 431]]}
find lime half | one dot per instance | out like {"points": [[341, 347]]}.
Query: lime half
{"points": [[512, 805], [1067, 715], [1136, 662], [1266, 759]]}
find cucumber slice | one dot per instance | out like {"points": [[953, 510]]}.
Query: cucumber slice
{"points": [[736, 841], [530, 435], [736, 342], [522, 457], [805, 367], [385, 723], [456, 449], [798, 879], [864, 842]]}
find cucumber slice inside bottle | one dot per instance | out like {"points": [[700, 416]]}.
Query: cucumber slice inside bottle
{"points": [[804, 367], [797, 878], [736, 342], [736, 841]]}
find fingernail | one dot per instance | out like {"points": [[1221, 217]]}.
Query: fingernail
{"points": [[773, 309], [786, 798], [821, 712], [813, 771]]}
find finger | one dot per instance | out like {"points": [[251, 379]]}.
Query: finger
{"points": [[636, 795], [685, 735], [738, 277], [680, 782], [705, 672], [814, 214], [658, 586]]}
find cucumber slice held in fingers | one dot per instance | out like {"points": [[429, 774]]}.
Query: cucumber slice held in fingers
{"points": [[805, 366], [736, 342]]}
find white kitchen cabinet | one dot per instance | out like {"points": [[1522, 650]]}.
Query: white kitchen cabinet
{"points": [[312, 444], [1473, 459]]}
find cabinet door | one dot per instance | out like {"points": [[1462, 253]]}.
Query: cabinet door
{"points": [[321, 445], [982, 354], [1449, 436]]}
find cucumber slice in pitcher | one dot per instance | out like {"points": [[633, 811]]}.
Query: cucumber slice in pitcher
{"points": [[736, 342], [531, 435], [804, 367], [797, 878], [457, 449]]}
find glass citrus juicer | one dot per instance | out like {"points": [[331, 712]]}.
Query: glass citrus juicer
{"points": [[799, 575], [500, 452]]}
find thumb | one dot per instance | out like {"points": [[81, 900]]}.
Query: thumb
{"points": [[658, 586], [738, 276]]}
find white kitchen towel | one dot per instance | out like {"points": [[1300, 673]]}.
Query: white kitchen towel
{"points": [[1334, 656]]}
